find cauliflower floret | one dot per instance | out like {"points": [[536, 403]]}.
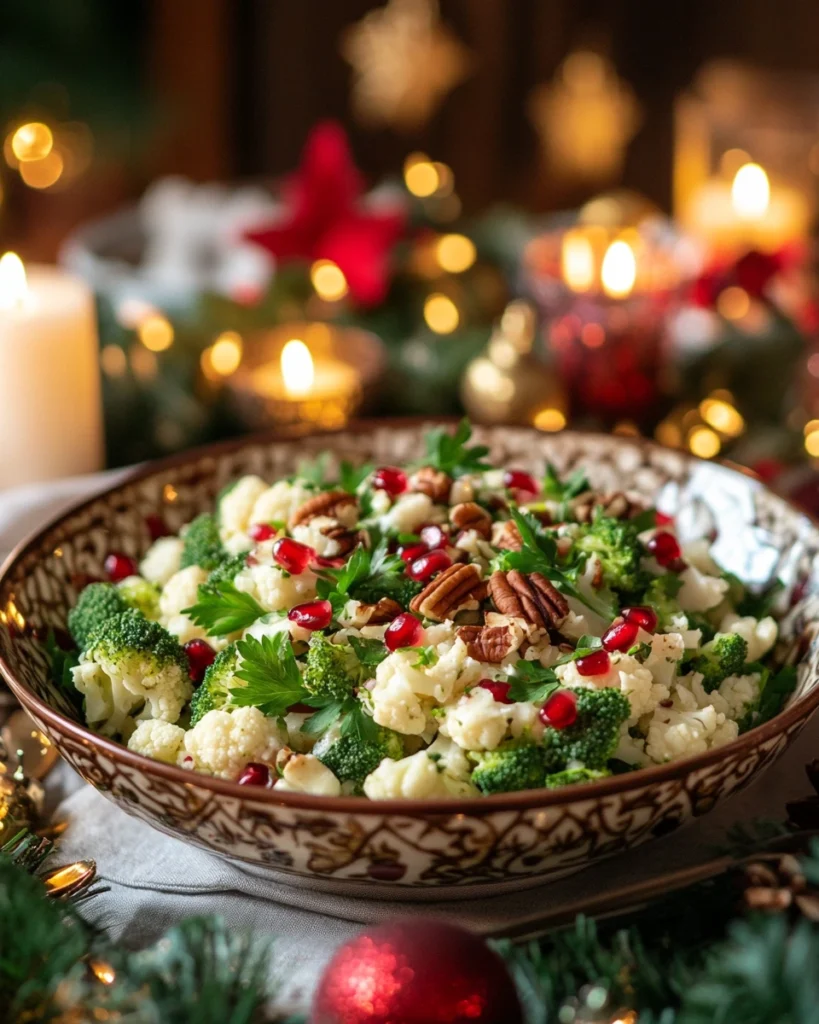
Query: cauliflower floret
{"points": [[157, 739], [698, 554], [235, 511], [700, 592], [273, 588], [582, 621], [477, 547], [180, 592], [304, 773], [401, 691], [740, 692], [478, 722], [759, 634], [162, 560], [380, 502], [279, 503], [634, 681], [673, 734], [427, 775], [667, 650], [412, 511], [631, 749], [223, 742]]}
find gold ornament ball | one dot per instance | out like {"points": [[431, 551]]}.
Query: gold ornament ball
{"points": [[507, 383]]}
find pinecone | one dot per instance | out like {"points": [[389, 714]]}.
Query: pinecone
{"points": [[774, 882]]}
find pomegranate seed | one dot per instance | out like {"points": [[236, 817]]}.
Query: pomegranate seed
{"points": [[301, 709], [498, 689], [261, 531], [293, 556], [120, 567], [661, 519], [619, 636], [646, 618], [200, 656], [412, 551], [428, 565], [664, 547], [390, 479], [312, 615], [157, 527], [521, 483], [595, 664], [255, 774], [434, 537], [560, 710], [404, 631]]}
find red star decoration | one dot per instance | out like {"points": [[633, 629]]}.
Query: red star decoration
{"points": [[324, 218]]}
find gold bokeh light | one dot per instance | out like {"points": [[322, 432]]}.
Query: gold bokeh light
{"points": [[328, 280], [156, 333], [441, 314], [455, 253], [33, 141], [704, 442]]}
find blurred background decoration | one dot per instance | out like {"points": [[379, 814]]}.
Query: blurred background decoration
{"points": [[566, 214]]}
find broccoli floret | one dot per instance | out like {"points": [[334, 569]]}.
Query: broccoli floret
{"points": [[228, 569], [140, 594], [573, 777], [214, 690], [512, 767], [661, 595], [131, 662], [615, 543], [593, 737], [351, 758], [202, 545], [721, 657], [332, 670], [97, 603]]}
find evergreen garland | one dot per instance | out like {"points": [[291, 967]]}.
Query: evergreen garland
{"points": [[691, 958]]}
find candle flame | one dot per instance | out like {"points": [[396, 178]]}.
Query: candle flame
{"points": [[297, 368], [619, 270], [750, 192], [577, 261], [13, 284]]}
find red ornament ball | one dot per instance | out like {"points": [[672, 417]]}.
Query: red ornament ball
{"points": [[416, 972]]}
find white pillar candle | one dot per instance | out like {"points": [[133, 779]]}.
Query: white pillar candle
{"points": [[50, 408]]}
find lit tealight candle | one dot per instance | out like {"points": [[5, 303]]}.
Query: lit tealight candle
{"points": [[296, 376], [50, 408]]}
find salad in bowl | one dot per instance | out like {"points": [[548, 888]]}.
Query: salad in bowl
{"points": [[436, 630]]}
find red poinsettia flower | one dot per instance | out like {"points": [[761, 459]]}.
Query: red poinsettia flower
{"points": [[324, 218]]}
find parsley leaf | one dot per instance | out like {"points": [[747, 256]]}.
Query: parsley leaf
{"points": [[351, 477], [775, 692], [539, 554], [271, 673], [562, 491], [222, 609], [532, 682], [370, 653], [368, 576], [323, 719], [359, 724], [450, 454], [759, 605], [426, 656], [585, 645], [314, 471], [645, 520]]}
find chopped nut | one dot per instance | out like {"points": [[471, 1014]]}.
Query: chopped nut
{"points": [[763, 898], [345, 540], [507, 536], [531, 597], [432, 482], [451, 590], [617, 505], [487, 643], [383, 611], [336, 504], [470, 516]]}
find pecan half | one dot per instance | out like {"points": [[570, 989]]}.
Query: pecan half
{"points": [[470, 516], [507, 536], [432, 482], [336, 504], [450, 590], [384, 610], [617, 505], [528, 596], [345, 539], [487, 643]]}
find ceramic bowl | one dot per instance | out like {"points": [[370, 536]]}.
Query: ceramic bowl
{"points": [[414, 849]]}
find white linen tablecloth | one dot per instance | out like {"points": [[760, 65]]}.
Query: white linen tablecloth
{"points": [[155, 880]]}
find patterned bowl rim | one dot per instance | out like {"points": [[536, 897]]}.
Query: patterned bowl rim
{"points": [[523, 800]]}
